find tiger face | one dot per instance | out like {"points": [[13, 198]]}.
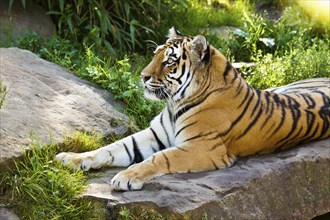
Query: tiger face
{"points": [[170, 75]]}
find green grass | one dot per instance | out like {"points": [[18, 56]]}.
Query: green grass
{"points": [[41, 188], [299, 63]]}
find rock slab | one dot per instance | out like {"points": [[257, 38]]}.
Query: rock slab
{"points": [[46, 100], [293, 184], [14, 23]]}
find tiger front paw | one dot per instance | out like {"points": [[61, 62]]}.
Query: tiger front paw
{"points": [[76, 160], [131, 179]]}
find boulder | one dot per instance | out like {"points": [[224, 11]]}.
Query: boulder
{"points": [[46, 100], [292, 184], [15, 22]]}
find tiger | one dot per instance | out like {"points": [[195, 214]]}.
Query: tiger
{"points": [[211, 118]]}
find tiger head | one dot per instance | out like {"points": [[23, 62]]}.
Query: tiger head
{"points": [[178, 68]]}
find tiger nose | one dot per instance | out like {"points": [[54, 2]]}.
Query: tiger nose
{"points": [[145, 76]]}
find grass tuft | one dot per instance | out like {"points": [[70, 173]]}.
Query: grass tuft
{"points": [[82, 141], [41, 188]]}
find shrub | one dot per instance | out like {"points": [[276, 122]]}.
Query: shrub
{"points": [[112, 26], [299, 63]]}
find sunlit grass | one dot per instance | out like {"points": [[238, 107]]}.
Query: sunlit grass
{"points": [[41, 188]]}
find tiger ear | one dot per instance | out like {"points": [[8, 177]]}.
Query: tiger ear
{"points": [[173, 33], [201, 47]]}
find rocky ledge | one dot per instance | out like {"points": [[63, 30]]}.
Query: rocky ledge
{"points": [[46, 100], [293, 184]]}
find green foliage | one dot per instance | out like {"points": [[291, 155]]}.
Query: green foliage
{"points": [[123, 83], [299, 63], [195, 17], [125, 214], [112, 26], [81, 142], [44, 189]]}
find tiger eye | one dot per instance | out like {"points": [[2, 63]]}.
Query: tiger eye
{"points": [[170, 61]]}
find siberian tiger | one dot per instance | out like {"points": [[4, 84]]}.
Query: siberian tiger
{"points": [[211, 118]]}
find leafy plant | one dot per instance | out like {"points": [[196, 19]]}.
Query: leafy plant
{"points": [[299, 63], [123, 83]]}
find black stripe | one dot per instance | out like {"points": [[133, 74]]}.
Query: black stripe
{"points": [[312, 136], [182, 149], [198, 136], [235, 76], [207, 55], [167, 162], [324, 113], [295, 115], [293, 139], [184, 56], [216, 146], [251, 124], [266, 94], [184, 127], [279, 103], [182, 71], [237, 119], [176, 79], [258, 102], [310, 120], [128, 153], [162, 123], [137, 153], [192, 105], [226, 72], [159, 142], [309, 100], [270, 114], [184, 87], [239, 88], [246, 96], [129, 185]]}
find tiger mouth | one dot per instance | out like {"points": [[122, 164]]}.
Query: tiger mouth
{"points": [[159, 91]]}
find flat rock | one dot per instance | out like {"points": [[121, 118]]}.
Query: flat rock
{"points": [[6, 214], [46, 100], [293, 184]]}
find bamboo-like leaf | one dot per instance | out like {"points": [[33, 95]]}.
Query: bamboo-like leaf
{"points": [[132, 32], [61, 2], [70, 25], [10, 5], [23, 3], [127, 10]]}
